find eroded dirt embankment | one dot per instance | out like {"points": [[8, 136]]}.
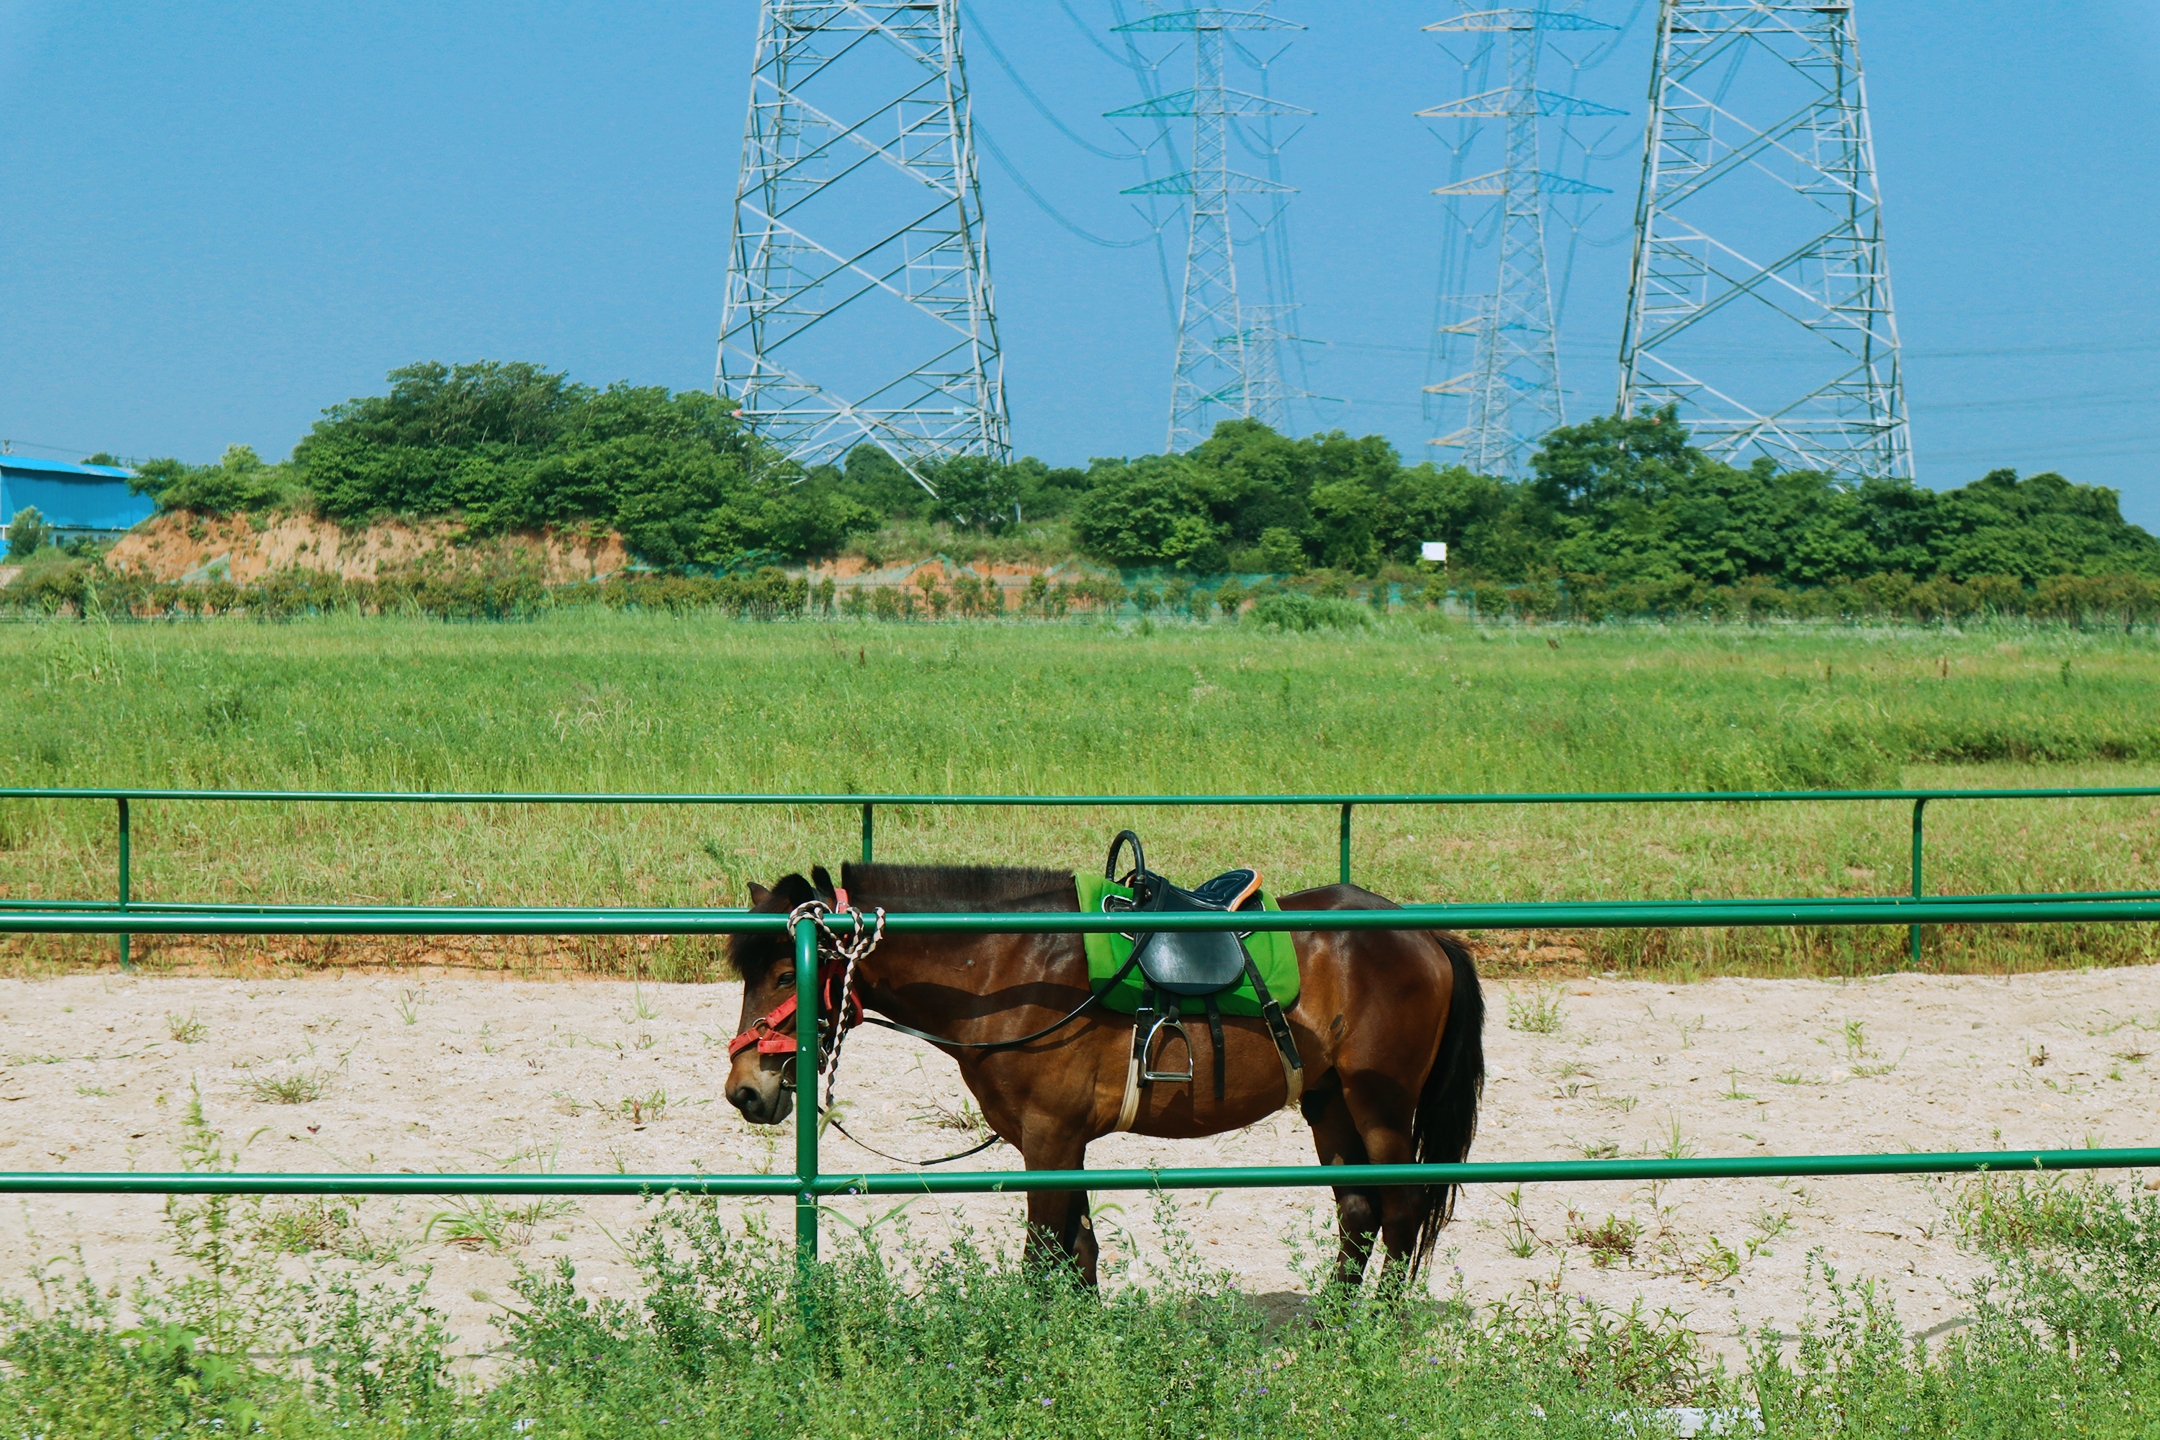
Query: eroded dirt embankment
{"points": [[181, 548]]}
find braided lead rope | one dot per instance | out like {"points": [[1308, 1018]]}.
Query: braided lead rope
{"points": [[813, 911], [854, 948]]}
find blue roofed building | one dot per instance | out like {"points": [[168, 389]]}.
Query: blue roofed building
{"points": [[74, 499]]}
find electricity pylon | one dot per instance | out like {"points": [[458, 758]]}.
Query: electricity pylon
{"points": [[1760, 296], [1228, 358], [1510, 396], [858, 288]]}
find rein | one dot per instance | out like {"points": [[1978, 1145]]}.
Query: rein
{"points": [[1051, 1029]]}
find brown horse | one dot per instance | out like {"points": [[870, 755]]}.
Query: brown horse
{"points": [[1389, 1025]]}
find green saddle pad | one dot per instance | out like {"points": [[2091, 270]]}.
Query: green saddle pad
{"points": [[1273, 952]]}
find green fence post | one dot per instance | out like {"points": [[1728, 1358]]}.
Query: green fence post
{"points": [[806, 1089], [868, 830], [1919, 832], [127, 963], [1346, 844]]}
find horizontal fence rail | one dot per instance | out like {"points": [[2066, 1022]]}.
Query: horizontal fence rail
{"points": [[123, 798], [1016, 1182], [28, 917], [1287, 798]]}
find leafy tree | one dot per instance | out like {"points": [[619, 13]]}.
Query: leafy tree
{"points": [[1490, 526], [975, 492], [972, 492], [1047, 492], [879, 483], [1622, 507], [1280, 552], [1151, 511], [515, 445], [768, 513], [25, 533], [2034, 528], [1637, 503], [239, 481]]}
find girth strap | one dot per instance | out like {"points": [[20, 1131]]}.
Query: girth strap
{"points": [[1214, 1025], [1293, 1068]]}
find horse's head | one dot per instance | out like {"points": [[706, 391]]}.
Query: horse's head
{"points": [[761, 1077]]}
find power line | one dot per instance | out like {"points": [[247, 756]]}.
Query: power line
{"points": [[975, 19], [997, 153], [1093, 39], [2073, 347], [2090, 400]]}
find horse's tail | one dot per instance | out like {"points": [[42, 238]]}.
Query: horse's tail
{"points": [[1447, 1107]]}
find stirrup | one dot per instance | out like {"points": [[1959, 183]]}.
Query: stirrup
{"points": [[1147, 1048]]}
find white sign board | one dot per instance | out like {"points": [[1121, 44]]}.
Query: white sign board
{"points": [[1434, 550]]}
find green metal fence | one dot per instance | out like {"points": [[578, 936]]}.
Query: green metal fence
{"points": [[809, 1183], [1346, 804]]}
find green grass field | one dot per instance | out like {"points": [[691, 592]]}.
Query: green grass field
{"points": [[596, 700], [724, 1334]]}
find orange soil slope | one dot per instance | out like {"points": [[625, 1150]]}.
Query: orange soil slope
{"points": [[187, 548]]}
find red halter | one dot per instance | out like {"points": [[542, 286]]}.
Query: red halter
{"points": [[774, 1032]]}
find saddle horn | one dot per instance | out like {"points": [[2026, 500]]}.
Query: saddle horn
{"points": [[1139, 857]]}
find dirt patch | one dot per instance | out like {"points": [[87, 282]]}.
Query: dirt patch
{"points": [[182, 548], [351, 1071], [853, 571]]}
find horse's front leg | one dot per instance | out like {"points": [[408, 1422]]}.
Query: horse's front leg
{"points": [[1060, 1231]]}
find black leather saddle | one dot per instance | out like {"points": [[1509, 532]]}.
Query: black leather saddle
{"points": [[1190, 962]]}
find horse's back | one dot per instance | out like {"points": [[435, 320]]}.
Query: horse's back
{"points": [[1452, 948], [1351, 972]]}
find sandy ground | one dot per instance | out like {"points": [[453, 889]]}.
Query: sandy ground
{"points": [[466, 1074]]}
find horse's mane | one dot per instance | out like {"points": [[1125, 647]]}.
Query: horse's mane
{"points": [[958, 887], [947, 888]]}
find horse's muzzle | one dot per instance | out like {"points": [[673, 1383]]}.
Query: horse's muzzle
{"points": [[763, 1104]]}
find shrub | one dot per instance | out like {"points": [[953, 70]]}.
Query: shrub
{"points": [[25, 533], [1291, 611], [238, 481]]}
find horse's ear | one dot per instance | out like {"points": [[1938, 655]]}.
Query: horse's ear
{"points": [[791, 891], [758, 894], [821, 881]]}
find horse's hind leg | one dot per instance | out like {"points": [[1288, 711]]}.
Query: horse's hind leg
{"points": [[1357, 1212], [1381, 1114]]}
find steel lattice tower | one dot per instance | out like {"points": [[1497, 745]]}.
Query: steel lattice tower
{"points": [[1510, 396], [858, 288], [1759, 301], [1228, 356]]}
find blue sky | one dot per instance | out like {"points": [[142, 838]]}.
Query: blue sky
{"points": [[216, 219]]}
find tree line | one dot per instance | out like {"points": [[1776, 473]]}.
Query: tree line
{"points": [[1621, 507]]}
